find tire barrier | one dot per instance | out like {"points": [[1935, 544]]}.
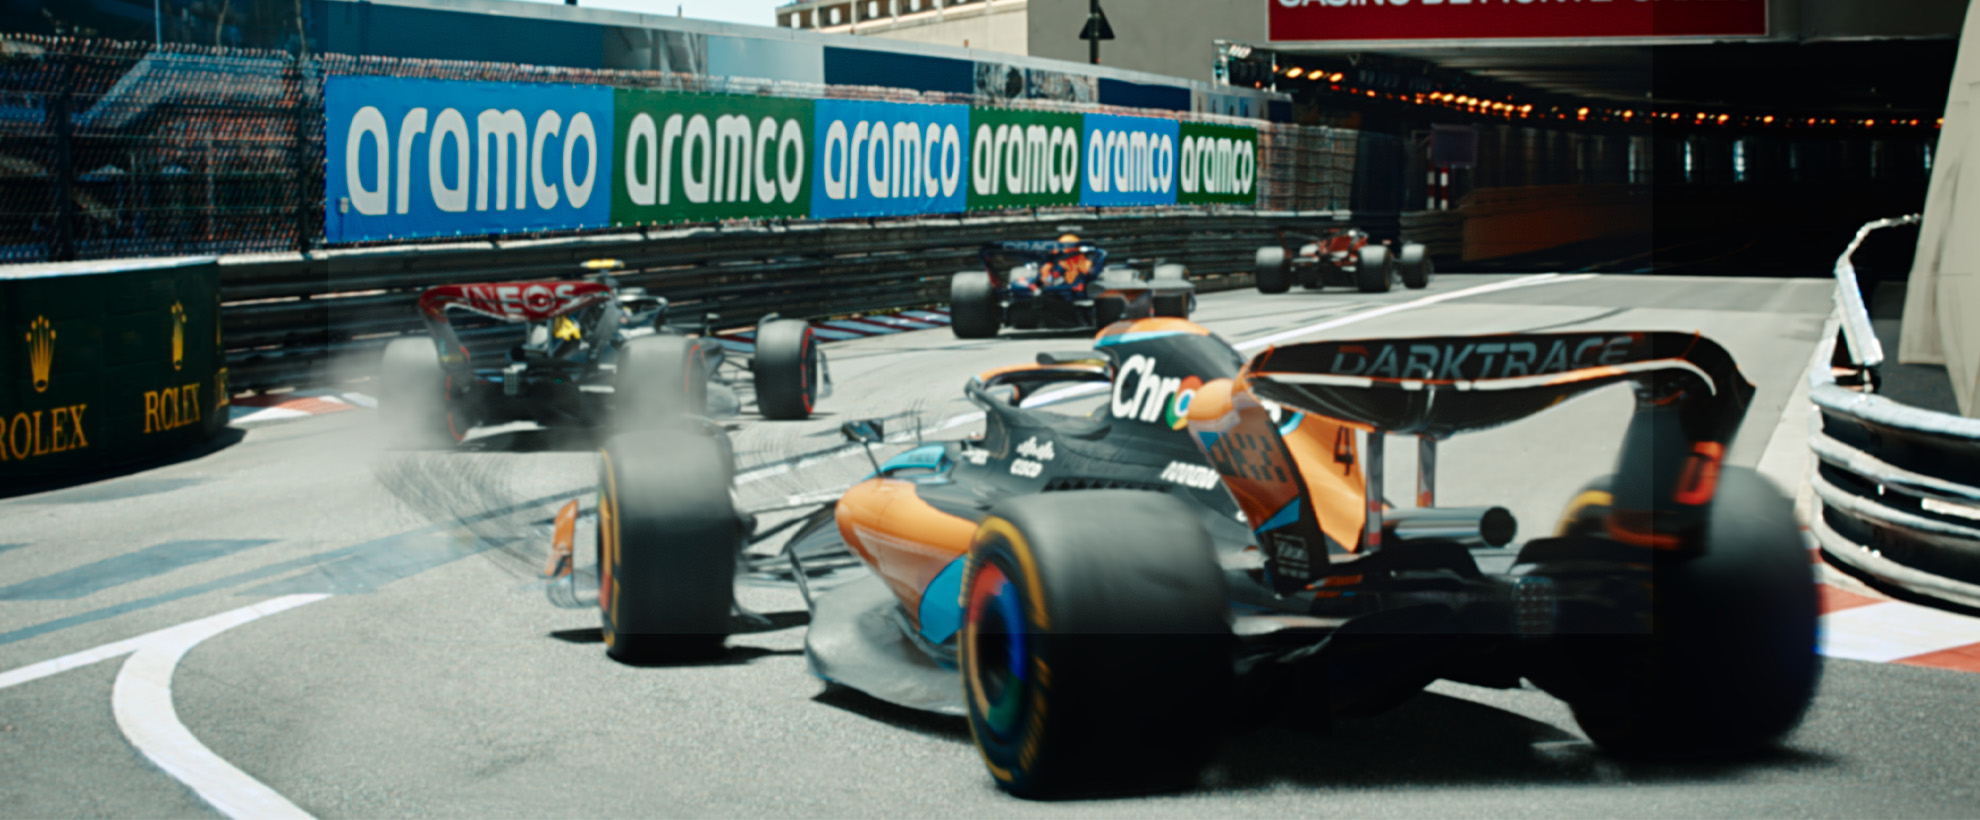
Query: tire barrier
{"points": [[106, 364], [290, 317], [1899, 485]]}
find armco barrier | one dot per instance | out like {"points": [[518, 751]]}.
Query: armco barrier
{"points": [[107, 363], [290, 316], [1899, 486]]}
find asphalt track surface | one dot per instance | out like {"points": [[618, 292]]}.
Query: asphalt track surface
{"points": [[434, 679]]}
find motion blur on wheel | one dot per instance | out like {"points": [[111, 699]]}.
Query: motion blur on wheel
{"points": [[1340, 257], [1062, 285], [583, 352], [1103, 595]]}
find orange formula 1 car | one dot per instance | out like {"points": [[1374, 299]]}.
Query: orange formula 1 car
{"points": [[1104, 595], [1340, 257]]}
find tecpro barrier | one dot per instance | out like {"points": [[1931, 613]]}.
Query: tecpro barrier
{"points": [[106, 364], [416, 158], [1899, 485]]}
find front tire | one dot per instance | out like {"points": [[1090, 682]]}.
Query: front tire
{"points": [[1096, 645], [662, 380], [1270, 270], [1372, 271], [1730, 664], [973, 309], [668, 536], [786, 369], [1416, 266]]}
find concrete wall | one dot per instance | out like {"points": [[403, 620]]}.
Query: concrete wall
{"points": [[1172, 37], [1942, 304], [999, 26]]}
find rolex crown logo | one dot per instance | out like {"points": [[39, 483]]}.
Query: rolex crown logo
{"points": [[178, 335], [41, 351]]}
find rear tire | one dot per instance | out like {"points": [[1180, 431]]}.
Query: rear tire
{"points": [[413, 403], [1372, 271], [973, 309], [1271, 272], [786, 369], [1096, 645], [662, 381], [668, 536], [1416, 266], [1178, 303], [1731, 663]]}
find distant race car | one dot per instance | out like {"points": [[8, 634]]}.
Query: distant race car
{"points": [[1102, 595], [583, 352], [1341, 257], [1056, 285]]}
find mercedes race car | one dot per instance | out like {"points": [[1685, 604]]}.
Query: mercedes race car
{"points": [[1341, 257], [1104, 595], [583, 353], [1056, 285]]}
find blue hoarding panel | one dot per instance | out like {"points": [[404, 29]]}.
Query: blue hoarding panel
{"points": [[889, 159], [1130, 161], [851, 66], [1135, 95], [411, 158], [446, 34]]}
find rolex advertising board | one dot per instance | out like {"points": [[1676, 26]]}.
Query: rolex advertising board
{"points": [[106, 364], [1023, 159], [704, 157]]}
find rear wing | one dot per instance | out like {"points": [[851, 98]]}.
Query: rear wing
{"points": [[1439, 386], [999, 257], [1690, 400]]}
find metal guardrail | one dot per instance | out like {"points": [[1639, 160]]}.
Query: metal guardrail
{"points": [[1899, 485], [291, 317]]}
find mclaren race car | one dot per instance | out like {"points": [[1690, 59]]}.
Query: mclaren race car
{"points": [[584, 353], [1341, 257], [1103, 595], [1056, 285]]}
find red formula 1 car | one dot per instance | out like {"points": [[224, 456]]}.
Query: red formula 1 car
{"points": [[582, 353], [1103, 595], [1341, 257]]}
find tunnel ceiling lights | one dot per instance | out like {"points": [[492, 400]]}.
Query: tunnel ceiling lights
{"points": [[1512, 108]]}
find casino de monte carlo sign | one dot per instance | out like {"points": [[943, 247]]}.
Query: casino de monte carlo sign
{"points": [[1353, 20]]}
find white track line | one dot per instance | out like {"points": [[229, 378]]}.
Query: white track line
{"points": [[1522, 282], [141, 700]]}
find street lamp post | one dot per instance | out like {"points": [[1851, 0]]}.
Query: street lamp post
{"points": [[1096, 30]]}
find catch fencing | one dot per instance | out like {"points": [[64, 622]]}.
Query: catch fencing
{"points": [[1899, 485], [113, 149]]}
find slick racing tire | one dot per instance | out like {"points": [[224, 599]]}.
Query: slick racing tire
{"points": [[973, 309], [1729, 665], [1373, 272], [413, 403], [1416, 267], [1270, 268], [668, 536], [1096, 648], [787, 369], [1108, 310], [662, 381]]}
